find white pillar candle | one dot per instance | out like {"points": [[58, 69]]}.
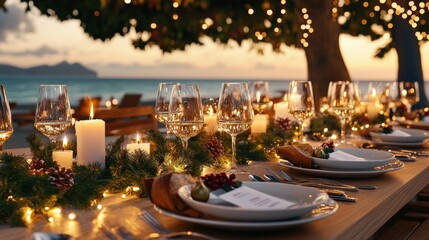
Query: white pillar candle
{"points": [[282, 110], [63, 157], [373, 109], [132, 147], [91, 142], [260, 123], [210, 121]]}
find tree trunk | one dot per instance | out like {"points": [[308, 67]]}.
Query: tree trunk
{"points": [[409, 59], [324, 60]]}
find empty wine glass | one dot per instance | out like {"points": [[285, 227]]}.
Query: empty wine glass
{"points": [[162, 101], [235, 113], [260, 97], [185, 112], [53, 115], [6, 128], [343, 99], [301, 103], [409, 92]]}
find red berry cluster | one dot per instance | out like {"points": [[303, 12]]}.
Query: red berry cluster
{"points": [[328, 146], [216, 181]]}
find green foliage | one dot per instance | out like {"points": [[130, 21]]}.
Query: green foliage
{"points": [[40, 150], [325, 120], [20, 189]]}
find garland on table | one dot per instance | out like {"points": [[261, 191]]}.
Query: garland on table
{"points": [[30, 187]]}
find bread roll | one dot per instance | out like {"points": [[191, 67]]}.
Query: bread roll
{"points": [[162, 192], [298, 155]]}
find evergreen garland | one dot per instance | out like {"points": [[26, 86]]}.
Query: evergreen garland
{"points": [[23, 188]]}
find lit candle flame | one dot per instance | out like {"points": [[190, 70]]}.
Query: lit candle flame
{"points": [[285, 98], [258, 96], [91, 112], [65, 142], [374, 92], [210, 110], [138, 138]]}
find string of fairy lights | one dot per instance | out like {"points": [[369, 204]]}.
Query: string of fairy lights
{"points": [[385, 10]]}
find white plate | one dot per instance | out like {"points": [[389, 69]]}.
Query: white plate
{"points": [[398, 144], [371, 158], [392, 166], [415, 136], [324, 210], [305, 198], [420, 125]]}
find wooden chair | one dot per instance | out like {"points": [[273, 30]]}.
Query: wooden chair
{"points": [[130, 100], [82, 110], [124, 121]]}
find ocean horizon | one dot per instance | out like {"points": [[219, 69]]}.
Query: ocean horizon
{"points": [[23, 90]]}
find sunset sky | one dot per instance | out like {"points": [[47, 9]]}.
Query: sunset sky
{"points": [[30, 39]]}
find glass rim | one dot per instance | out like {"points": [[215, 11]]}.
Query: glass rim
{"points": [[49, 85]]}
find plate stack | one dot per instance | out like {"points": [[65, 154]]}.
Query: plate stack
{"points": [[401, 137], [309, 204], [350, 163]]}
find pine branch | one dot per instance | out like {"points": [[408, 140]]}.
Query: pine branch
{"points": [[40, 150]]}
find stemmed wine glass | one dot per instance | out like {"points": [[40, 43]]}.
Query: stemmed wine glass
{"points": [[301, 103], [162, 101], [409, 93], [260, 97], [235, 113], [185, 112], [343, 99], [6, 128], [53, 115]]}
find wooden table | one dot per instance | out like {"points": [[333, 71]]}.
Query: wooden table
{"points": [[352, 220]]}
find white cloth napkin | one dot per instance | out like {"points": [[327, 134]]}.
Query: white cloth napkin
{"points": [[399, 133], [340, 155]]}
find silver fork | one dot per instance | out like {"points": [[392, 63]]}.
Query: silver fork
{"points": [[163, 233], [327, 181]]}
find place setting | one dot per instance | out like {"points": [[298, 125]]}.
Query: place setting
{"points": [[249, 206], [342, 162], [399, 136]]}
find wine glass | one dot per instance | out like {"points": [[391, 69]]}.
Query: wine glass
{"points": [[260, 97], [6, 128], [235, 113], [343, 99], [162, 101], [301, 103], [409, 92], [53, 115], [390, 96], [185, 112]]}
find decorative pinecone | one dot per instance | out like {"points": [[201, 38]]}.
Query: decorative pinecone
{"points": [[37, 167], [283, 124], [215, 147], [61, 177]]}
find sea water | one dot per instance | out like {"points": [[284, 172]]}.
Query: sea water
{"points": [[23, 90]]}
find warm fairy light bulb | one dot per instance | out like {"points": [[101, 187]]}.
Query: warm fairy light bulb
{"points": [[91, 112], [50, 219], [123, 195], [29, 211], [135, 189], [56, 210], [72, 216], [46, 208], [99, 206]]}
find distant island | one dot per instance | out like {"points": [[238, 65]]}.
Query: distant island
{"points": [[62, 68]]}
